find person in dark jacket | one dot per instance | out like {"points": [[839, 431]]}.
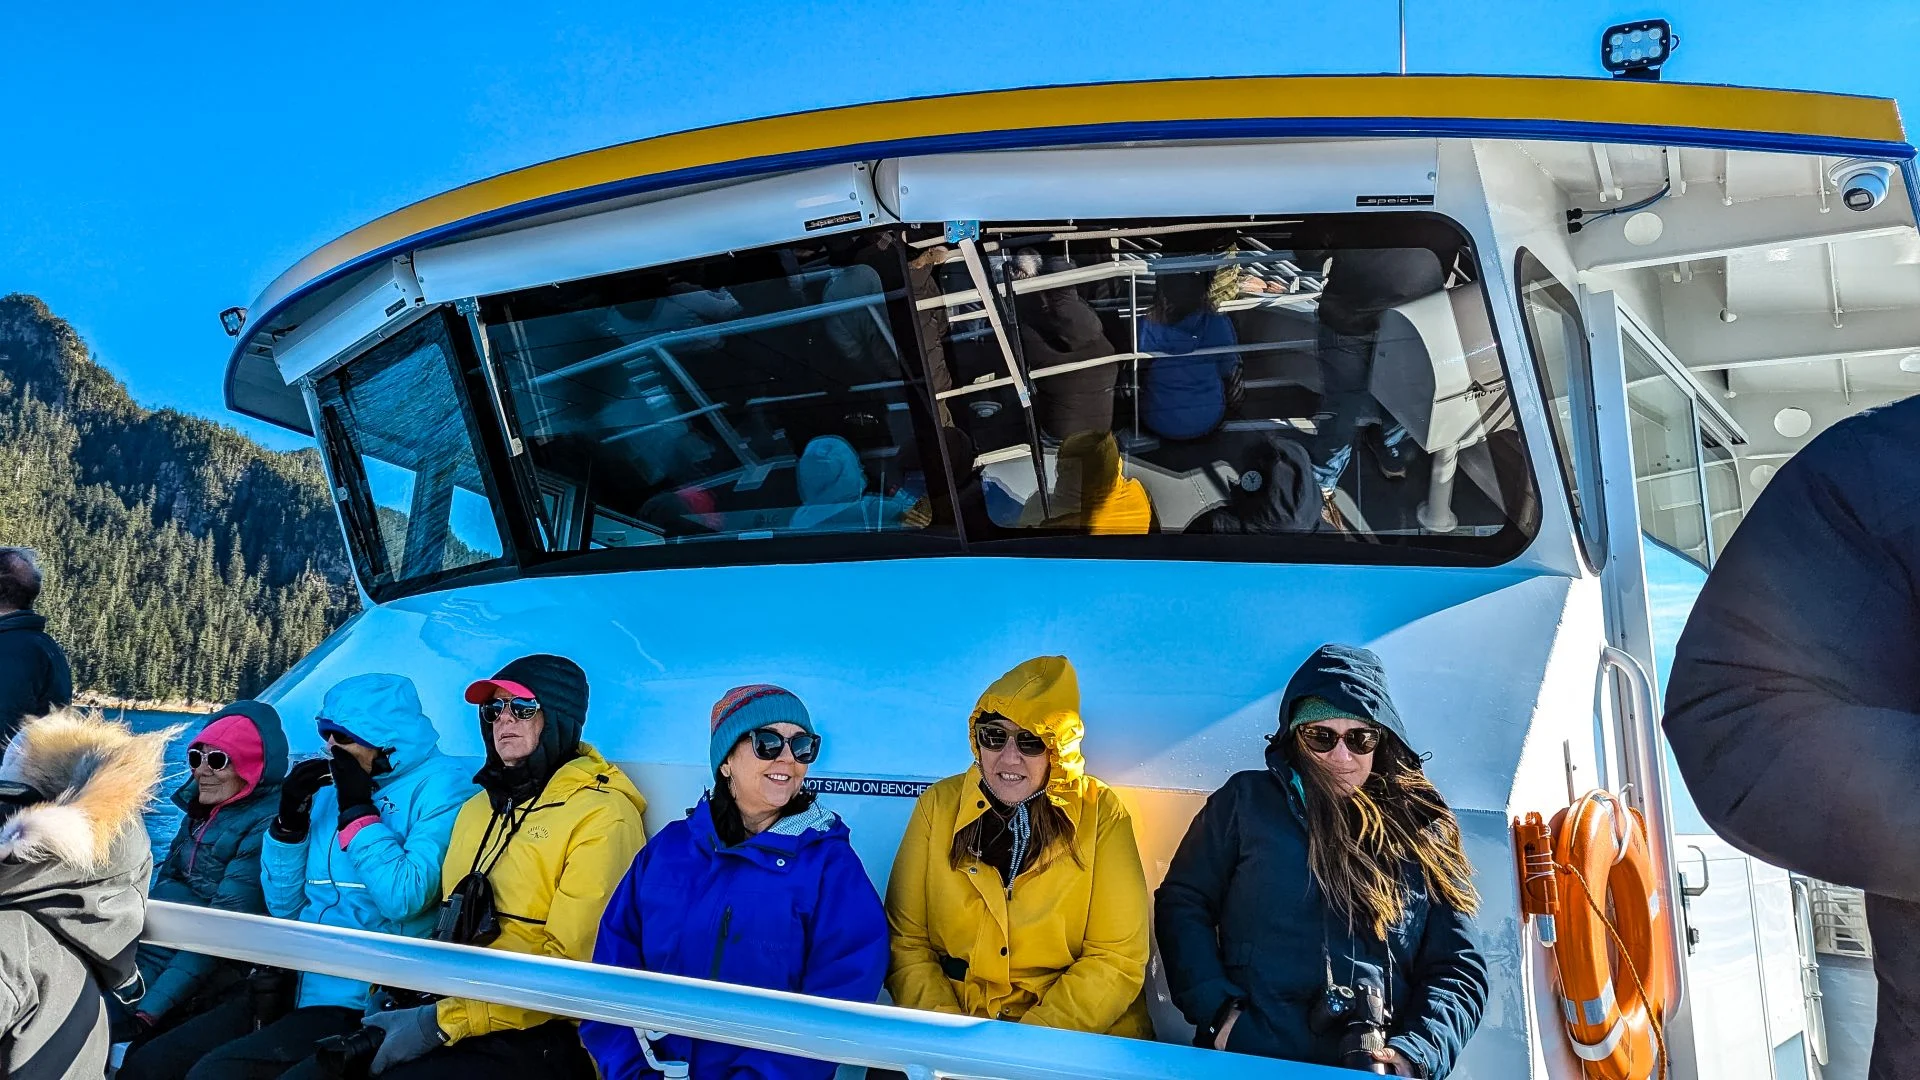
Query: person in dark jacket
{"points": [[1793, 705], [757, 885], [192, 1002], [1195, 370], [34, 677], [74, 863], [1338, 864]]}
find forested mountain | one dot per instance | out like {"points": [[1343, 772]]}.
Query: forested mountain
{"points": [[184, 560]]}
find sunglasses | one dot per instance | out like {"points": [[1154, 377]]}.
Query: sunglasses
{"points": [[767, 743], [1322, 740], [993, 738], [523, 709], [217, 760]]}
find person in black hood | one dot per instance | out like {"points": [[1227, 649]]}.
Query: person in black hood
{"points": [[1338, 864], [1275, 494], [34, 676], [533, 859]]}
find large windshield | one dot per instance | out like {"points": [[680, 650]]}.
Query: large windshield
{"points": [[1334, 379], [758, 396], [1320, 389]]}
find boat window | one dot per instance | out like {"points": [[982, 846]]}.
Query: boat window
{"points": [[1725, 508], [762, 396], [1666, 457], [1558, 337], [1335, 377], [402, 450]]}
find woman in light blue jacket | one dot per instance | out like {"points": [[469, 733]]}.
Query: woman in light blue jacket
{"points": [[358, 843]]}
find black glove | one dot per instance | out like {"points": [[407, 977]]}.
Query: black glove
{"points": [[353, 787], [296, 800]]}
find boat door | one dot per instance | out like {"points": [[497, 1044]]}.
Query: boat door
{"points": [[1665, 434]]}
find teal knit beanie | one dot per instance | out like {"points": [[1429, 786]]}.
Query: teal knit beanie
{"points": [[1311, 709], [744, 708]]}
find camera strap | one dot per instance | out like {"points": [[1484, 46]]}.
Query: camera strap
{"points": [[1326, 958]]}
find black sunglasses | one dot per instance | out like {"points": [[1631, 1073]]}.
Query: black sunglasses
{"points": [[993, 738], [767, 743], [1322, 740], [523, 709], [217, 760]]}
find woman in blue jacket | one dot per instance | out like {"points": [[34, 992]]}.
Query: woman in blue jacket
{"points": [[1338, 865], [757, 885]]}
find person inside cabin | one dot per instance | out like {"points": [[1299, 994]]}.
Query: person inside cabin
{"points": [[757, 885], [1092, 492], [1018, 892], [832, 484], [1194, 375], [1058, 327], [535, 854], [1362, 285], [1338, 865], [193, 1003], [358, 842], [1273, 492]]}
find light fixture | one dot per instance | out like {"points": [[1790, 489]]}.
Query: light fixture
{"points": [[1643, 228], [1761, 474], [1910, 363], [232, 319], [1636, 50], [1792, 422]]}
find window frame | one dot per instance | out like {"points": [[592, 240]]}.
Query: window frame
{"points": [[343, 459], [1580, 468]]}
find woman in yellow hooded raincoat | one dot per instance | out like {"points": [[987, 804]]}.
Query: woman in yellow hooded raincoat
{"points": [[1018, 892]]}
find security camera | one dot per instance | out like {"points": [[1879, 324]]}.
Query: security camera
{"points": [[1863, 184]]}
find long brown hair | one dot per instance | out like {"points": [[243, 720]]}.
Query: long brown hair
{"points": [[1359, 844]]}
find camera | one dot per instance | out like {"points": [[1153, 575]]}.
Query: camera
{"points": [[349, 1056], [1862, 184], [1358, 1014]]}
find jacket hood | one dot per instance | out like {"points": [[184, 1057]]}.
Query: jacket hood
{"points": [[265, 720], [22, 620], [1277, 493], [1349, 677], [1092, 492], [384, 712], [77, 861], [829, 472], [788, 835], [560, 686], [1042, 695]]}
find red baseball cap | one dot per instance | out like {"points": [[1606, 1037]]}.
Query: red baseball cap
{"points": [[481, 692]]}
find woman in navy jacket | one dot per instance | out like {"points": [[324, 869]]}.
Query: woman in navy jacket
{"points": [[757, 885], [1338, 864]]}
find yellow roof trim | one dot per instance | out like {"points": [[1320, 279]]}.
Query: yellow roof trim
{"points": [[1470, 98]]}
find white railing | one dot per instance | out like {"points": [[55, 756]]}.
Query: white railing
{"points": [[924, 1045]]}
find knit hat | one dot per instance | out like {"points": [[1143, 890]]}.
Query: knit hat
{"points": [[744, 708], [240, 739], [1309, 710]]}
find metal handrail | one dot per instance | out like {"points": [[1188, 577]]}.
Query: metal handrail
{"points": [[925, 1045], [1646, 769]]}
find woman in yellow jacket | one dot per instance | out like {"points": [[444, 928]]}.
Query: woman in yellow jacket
{"points": [[534, 857], [1018, 892]]}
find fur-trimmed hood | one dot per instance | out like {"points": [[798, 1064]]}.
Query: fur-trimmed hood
{"points": [[78, 860]]}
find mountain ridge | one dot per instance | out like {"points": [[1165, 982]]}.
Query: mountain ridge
{"points": [[184, 560]]}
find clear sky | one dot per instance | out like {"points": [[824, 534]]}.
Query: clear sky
{"points": [[157, 166]]}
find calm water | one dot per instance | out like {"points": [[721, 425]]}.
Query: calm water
{"points": [[164, 819]]}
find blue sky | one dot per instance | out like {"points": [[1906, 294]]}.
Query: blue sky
{"points": [[157, 166]]}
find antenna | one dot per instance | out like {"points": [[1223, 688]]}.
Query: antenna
{"points": [[1403, 37]]}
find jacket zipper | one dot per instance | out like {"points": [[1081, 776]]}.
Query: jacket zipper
{"points": [[720, 944]]}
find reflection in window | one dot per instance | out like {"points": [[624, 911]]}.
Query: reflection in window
{"points": [[1724, 507], [1335, 376], [746, 397], [1666, 460], [401, 446], [1559, 341]]}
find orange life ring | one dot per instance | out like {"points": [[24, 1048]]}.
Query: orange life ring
{"points": [[1597, 848]]}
